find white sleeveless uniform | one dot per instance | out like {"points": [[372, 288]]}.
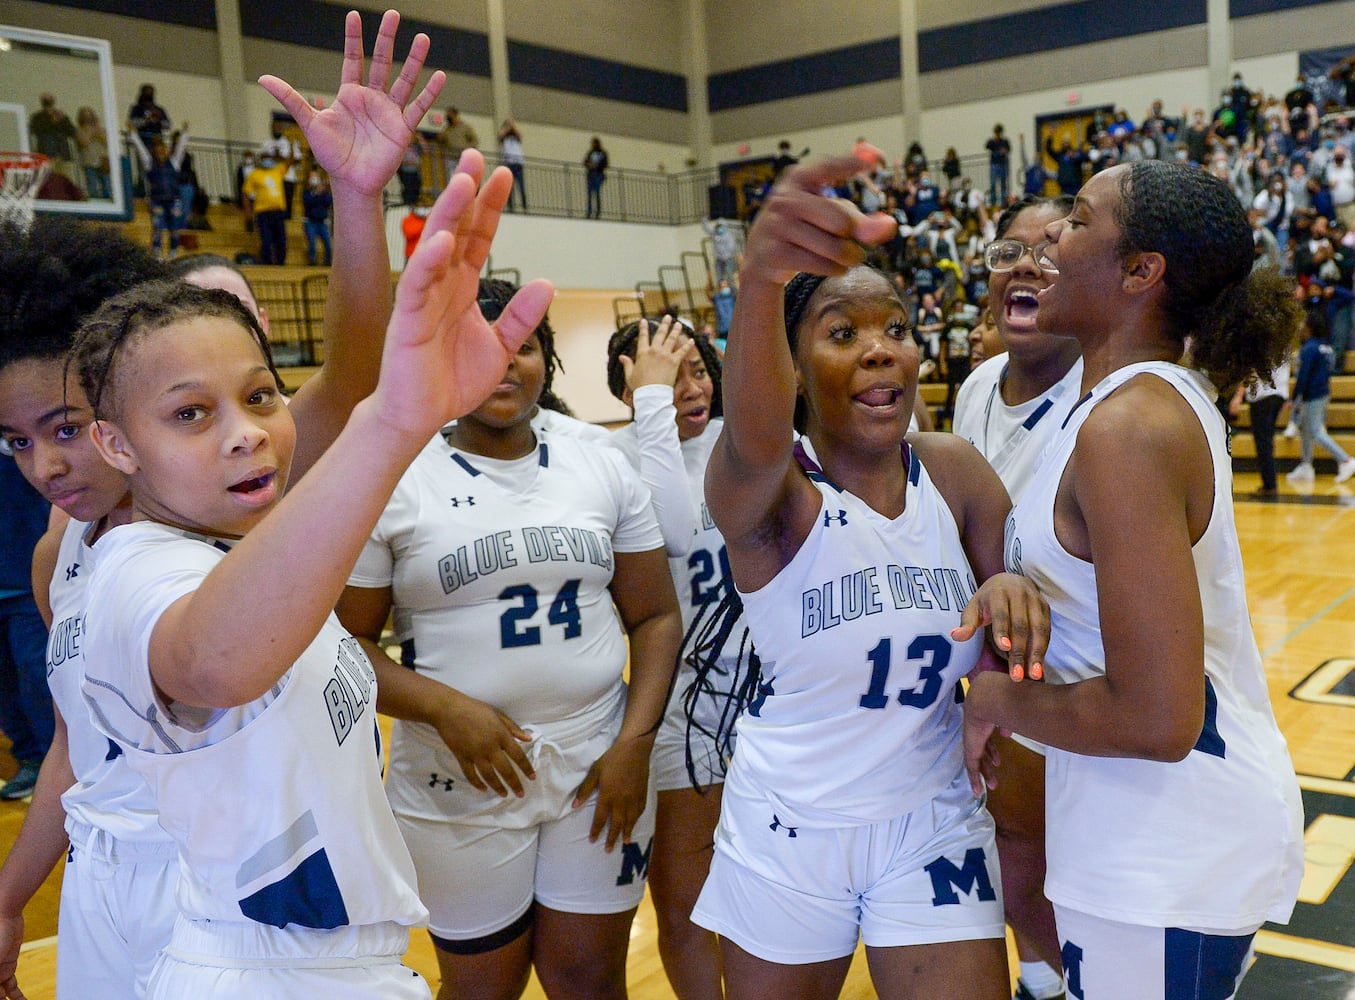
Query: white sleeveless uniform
{"points": [[292, 871], [500, 574], [117, 893], [675, 472], [847, 789], [1213, 842], [1012, 438]]}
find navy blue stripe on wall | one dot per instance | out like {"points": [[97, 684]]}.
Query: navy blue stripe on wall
{"points": [[1047, 28], [1246, 8], [185, 13], [539, 66], [319, 25], [869, 62]]}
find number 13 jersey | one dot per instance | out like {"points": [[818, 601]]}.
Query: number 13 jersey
{"points": [[856, 720]]}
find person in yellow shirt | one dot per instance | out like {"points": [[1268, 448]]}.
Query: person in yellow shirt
{"points": [[266, 202]]}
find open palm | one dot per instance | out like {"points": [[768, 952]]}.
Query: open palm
{"points": [[360, 138]]}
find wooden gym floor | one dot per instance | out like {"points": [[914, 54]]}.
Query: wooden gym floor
{"points": [[1299, 551]]}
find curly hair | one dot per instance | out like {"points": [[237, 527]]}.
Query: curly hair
{"points": [[1239, 322], [495, 295], [623, 343], [54, 274], [144, 309]]}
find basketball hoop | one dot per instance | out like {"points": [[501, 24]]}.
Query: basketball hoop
{"points": [[21, 177]]}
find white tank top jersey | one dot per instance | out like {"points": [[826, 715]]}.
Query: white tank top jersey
{"points": [[278, 811], [499, 573], [856, 719], [107, 794], [554, 423], [1012, 438], [1212, 842]]}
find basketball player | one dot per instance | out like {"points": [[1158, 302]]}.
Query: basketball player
{"points": [[206, 661], [671, 381], [520, 761], [118, 891], [1009, 408], [846, 811], [1175, 826]]}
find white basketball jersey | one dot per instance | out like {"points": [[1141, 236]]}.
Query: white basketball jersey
{"points": [[107, 794], [1214, 841], [856, 719], [500, 576], [282, 822], [1012, 438]]}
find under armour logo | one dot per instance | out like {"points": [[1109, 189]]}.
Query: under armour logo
{"points": [[764, 691], [434, 780], [72, 571], [778, 825], [840, 518], [458, 501]]}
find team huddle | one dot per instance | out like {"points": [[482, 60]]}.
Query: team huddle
{"points": [[805, 672]]}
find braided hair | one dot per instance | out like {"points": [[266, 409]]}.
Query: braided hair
{"points": [[144, 309]]}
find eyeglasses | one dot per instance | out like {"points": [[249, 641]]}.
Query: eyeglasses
{"points": [[1003, 255]]}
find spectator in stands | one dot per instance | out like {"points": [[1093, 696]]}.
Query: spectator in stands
{"points": [[188, 184], [1034, 176], [722, 301], [1268, 253], [724, 244], [1197, 136], [92, 140], [510, 153], [999, 166], [266, 199], [160, 172], [411, 227], [950, 166], [455, 138], [1312, 393], [242, 171], [870, 156], [784, 158], [595, 162], [1340, 178], [317, 202], [1070, 160], [284, 150], [928, 326], [915, 162], [148, 119], [53, 135], [1275, 205], [411, 171]]}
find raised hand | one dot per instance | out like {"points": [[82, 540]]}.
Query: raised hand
{"points": [[658, 356], [360, 138], [442, 358], [798, 229]]}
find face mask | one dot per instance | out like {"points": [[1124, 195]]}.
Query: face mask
{"points": [[266, 162]]}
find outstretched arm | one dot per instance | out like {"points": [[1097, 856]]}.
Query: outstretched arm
{"points": [[358, 140], [230, 640], [750, 486]]}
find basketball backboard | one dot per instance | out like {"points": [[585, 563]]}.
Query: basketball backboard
{"points": [[77, 73]]}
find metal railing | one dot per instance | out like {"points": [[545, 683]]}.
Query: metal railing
{"points": [[553, 187]]}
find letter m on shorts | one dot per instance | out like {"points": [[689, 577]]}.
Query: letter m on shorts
{"points": [[969, 877], [634, 862]]}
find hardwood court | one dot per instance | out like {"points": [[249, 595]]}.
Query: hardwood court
{"points": [[1298, 550]]}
